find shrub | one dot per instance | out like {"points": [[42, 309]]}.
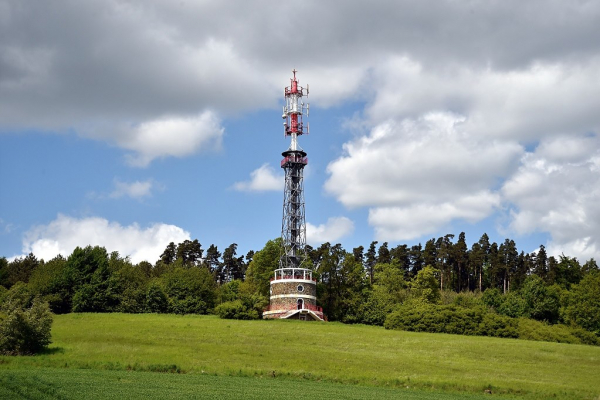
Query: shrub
{"points": [[492, 298], [133, 300], [513, 306], [467, 299], [420, 316], [535, 330], [25, 330], [18, 296], [243, 303], [93, 298], [235, 310], [187, 305], [378, 305]]}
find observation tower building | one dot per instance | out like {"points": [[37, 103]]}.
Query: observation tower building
{"points": [[293, 289]]}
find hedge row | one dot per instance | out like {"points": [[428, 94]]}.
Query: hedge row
{"points": [[425, 317]]}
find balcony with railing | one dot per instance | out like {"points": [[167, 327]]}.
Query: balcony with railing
{"points": [[293, 274], [297, 159]]}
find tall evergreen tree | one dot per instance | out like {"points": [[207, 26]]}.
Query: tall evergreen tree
{"points": [[484, 244], [371, 260], [444, 259], [20, 269], [232, 267], [508, 263], [169, 255], [212, 260], [476, 259], [430, 253], [400, 256], [189, 252], [358, 253], [383, 254], [417, 261], [461, 259], [541, 263]]}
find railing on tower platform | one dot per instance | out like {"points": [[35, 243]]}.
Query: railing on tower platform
{"points": [[294, 159], [293, 273]]}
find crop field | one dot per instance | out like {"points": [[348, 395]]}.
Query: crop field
{"points": [[98, 384], [168, 356]]}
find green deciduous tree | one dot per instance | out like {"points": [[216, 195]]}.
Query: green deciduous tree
{"points": [[156, 299], [388, 291], [190, 291], [264, 262], [239, 301], [542, 302], [425, 285], [582, 304], [88, 274], [47, 281]]}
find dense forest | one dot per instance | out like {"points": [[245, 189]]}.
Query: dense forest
{"points": [[441, 287]]}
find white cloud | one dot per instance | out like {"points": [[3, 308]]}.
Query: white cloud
{"points": [[65, 233], [557, 190], [529, 103], [261, 179], [172, 136], [417, 176], [135, 190], [334, 229], [411, 222], [430, 159]]}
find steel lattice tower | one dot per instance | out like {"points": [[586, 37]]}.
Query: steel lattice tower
{"points": [[293, 226], [293, 290]]}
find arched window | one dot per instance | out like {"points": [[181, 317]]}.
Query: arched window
{"points": [[300, 304]]}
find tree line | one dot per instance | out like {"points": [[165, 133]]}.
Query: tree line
{"points": [[364, 285]]}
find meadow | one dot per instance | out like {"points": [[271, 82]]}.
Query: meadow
{"points": [[109, 353]]}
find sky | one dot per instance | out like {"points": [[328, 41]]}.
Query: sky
{"points": [[131, 124]]}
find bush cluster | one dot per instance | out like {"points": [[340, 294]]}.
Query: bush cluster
{"points": [[425, 317], [235, 310], [530, 329], [24, 329]]}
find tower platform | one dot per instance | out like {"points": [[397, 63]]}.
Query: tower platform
{"points": [[294, 296]]}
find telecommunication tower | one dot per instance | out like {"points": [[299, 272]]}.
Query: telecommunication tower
{"points": [[293, 291], [293, 226]]}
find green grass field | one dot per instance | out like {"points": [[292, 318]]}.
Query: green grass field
{"points": [[105, 354], [79, 384]]}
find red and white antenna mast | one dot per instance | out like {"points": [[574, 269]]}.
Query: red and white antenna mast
{"points": [[293, 111], [293, 226]]}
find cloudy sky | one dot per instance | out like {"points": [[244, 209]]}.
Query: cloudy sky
{"points": [[130, 124]]}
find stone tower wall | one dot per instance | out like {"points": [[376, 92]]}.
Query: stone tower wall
{"points": [[290, 288]]}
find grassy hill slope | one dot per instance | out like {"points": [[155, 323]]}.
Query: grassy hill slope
{"points": [[350, 354]]}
